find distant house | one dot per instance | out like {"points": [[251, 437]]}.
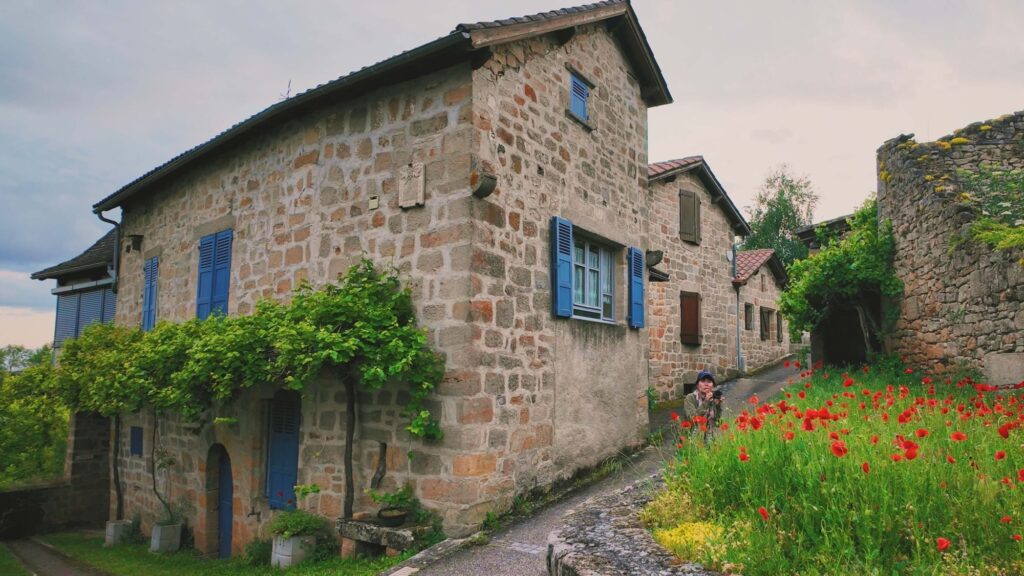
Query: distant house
{"points": [[84, 289], [836, 227], [759, 281]]}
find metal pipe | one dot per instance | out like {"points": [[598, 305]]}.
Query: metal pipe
{"points": [[117, 247]]}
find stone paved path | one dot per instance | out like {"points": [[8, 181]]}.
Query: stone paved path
{"points": [[40, 560], [521, 548]]}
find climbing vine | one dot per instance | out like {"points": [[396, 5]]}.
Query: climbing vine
{"points": [[364, 328], [851, 272], [998, 198]]}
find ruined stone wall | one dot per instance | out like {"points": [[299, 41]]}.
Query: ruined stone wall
{"points": [[962, 302], [762, 290], [701, 268], [557, 394]]}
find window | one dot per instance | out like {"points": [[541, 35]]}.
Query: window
{"points": [[778, 326], [748, 316], [80, 309], [766, 322], [149, 275], [135, 444], [689, 216], [762, 282], [579, 97], [689, 323], [214, 274], [583, 273], [283, 449]]}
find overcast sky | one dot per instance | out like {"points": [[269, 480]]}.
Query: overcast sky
{"points": [[94, 94]]}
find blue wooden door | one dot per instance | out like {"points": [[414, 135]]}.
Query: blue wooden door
{"points": [[283, 453], [225, 490]]}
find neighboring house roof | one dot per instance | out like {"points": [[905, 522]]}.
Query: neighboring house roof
{"points": [[465, 42], [749, 261], [809, 236], [671, 168], [97, 257]]}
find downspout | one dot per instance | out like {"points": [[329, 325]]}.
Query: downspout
{"points": [[116, 456], [739, 351], [117, 247]]}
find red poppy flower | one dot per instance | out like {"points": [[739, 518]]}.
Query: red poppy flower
{"points": [[680, 446], [908, 371], [686, 424], [874, 439], [753, 400], [896, 457], [788, 435], [865, 467], [833, 435], [1000, 455], [743, 457], [1006, 519], [950, 459], [1020, 475], [839, 448], [910, 453], [785, 364], [801, 394], [797, 363], [848, 382], [921, 433], [1016, 537], [942, 543], [808, 425], [958, 436], [675, 416], [763, 512]]}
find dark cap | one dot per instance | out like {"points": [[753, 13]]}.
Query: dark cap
{"points": [[705, 375]]}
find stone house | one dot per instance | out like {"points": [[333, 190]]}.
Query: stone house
{"points": [[963, 302], [503, 170], [695, 290], [759, 280], [84, 289]]}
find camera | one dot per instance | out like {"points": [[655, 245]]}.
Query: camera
{"points": [[716, 395]]}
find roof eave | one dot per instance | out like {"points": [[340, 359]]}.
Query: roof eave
{"points": [[50, 273], [451, 42], [718, 194]]}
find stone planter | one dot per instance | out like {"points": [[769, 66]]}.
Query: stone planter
{"points": [[290, 551], [165, 538], [117, 532]]}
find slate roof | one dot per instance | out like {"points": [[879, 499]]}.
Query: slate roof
{"points": [[659, 171], [458, 45], [749, 261], [98, 256], [808, 234]]}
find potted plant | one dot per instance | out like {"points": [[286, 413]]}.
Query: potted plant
{"points": [[295, 534], [166, 533], [396, 506]]}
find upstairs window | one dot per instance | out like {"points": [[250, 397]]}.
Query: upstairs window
{"points": [[689, 216], [214, 274], [78, 310], [150, 272], [593, 294], [766, 322], [579, 97], [778, 326]]}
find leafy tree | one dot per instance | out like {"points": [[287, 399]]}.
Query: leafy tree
{"points": [[784, 203], [33, 427], [854, 272]]}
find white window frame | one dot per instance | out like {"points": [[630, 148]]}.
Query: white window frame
{"points": [[604, 309]]}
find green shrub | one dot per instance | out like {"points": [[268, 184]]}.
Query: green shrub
{"points": [[257, 553], [291, 523]]}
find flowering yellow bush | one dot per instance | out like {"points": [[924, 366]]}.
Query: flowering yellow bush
{"points": [[686, 539]]}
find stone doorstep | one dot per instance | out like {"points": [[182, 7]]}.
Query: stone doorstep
{"points": [[399, 538]]}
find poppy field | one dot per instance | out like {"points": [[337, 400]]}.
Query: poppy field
{"points": [[853, 472]]}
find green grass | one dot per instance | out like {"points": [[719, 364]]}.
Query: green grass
{"points": [[871, 488], [136, 560], [9, 566]]}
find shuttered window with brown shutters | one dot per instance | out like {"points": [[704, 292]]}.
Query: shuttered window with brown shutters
{"points": [[766, 323], [689, 216], [689, 306]]}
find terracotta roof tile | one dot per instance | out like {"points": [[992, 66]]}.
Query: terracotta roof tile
{"points": [[662, 167], [748, 261]]}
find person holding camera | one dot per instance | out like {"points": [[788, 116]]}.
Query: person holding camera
{"points": [[703, 407]]}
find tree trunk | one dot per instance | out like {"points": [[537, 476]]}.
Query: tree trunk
{"points": [[153, 468], [350, 430], [866, 328]]}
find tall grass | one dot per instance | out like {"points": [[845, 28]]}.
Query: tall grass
{"points": [[863, 473]]}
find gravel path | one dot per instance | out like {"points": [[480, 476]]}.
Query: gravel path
{"points": [[42, 560]]}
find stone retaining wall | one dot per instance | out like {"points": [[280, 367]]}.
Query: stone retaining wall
{"points": [[962, 303]]}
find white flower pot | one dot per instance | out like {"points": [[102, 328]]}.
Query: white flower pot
{"points": [[290, 551], [117, 531], [166, 538]]}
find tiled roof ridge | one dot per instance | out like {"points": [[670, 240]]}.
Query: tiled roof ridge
{"points": [[538, 17], [749, 261], [656, 168]]}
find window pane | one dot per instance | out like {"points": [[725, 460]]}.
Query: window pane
{"points": [[577, 255], [606, 272], [592, 288], [577, 284], [606, 310], [592, 260]]}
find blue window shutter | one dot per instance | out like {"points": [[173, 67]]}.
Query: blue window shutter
{"points": [[67, 319], [90, 310], [221, 272], [636, 288], [136, 441], [109, 305], [561, 267], [150, 273], [283, 449], [204, 290], [579, 94]]}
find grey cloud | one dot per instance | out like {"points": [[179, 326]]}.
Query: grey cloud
{"points": [[17, 290]]}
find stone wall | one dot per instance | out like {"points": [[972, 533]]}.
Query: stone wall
{"points": [[78, 500], [565, 393], [701, 268], [526, 399], [962, 303], [762, 290]]}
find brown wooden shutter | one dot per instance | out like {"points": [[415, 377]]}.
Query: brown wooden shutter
{"points": [[766, 323], [689, 325], [689, 216]]}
